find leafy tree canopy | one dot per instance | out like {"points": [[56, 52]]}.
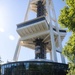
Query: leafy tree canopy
{"points": [[69, 52], [67, 16], [69, 49], [70, 3], [72, 69]]}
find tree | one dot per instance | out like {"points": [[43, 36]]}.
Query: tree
{"points": [[67, 16], [67, 20], [72, 69], [69, 51]]}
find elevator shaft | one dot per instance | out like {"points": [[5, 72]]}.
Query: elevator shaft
{"points": [[40, 9], [40, 49]]}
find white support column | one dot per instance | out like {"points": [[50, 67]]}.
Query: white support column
{"points": [[51, 55], [54, 56], [62, 58], [59, 38], [17, 51], [60, 48], [27, 12]]}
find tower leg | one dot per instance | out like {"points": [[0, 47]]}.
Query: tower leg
{"points": [[50, 55], [59, 37], [17, 51], [62, 58], [60, 48], [54, 56], [26, 16]]}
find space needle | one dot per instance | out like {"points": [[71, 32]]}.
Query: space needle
{"points": [[43, 35]]}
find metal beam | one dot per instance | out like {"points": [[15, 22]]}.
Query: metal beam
{"points": [[54, 56], [17, 51], [26, 15]]}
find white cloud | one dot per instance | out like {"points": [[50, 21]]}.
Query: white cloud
{"points": [[1, 30], [11, 37]]}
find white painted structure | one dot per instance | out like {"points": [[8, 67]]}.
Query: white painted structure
{"points": [[45, 27]]}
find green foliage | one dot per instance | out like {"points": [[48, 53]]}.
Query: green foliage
{"points": [[72, 69], [67, 16], [69, 49], [70, 3]]}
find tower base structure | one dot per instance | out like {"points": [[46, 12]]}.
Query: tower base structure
{"points": [[34, 67]]}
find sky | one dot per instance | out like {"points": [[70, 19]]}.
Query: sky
{"points": [[12, 12]]}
